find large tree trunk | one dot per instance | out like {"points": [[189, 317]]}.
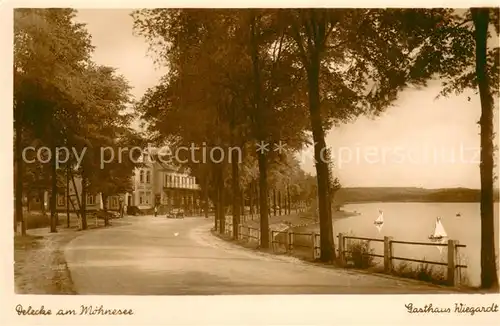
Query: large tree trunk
{"points": [[221, 210], [83, 205], [77, 196], [205, 197], [28, 201], [215, 195], [41, 197], [250, 198], [286, 202], [322, 174], [274, 202], [257, 197], [18, 160], [280, 204], [243, 206], [216, 208], [104, 198], [489, 277], [289, 200], [260, 133], [67, 197], [53, 193], [263, 203], [236, 193]]}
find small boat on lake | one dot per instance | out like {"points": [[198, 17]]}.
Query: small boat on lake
{"points": [[379, 222], [380, 218], [439, 233], [458, 215]]}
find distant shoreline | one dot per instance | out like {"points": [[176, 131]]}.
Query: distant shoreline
{"points": [[408, 195], [410, 201], [337, 215]]}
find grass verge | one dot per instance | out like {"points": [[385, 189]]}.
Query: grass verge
{"points": [[39, 264]]}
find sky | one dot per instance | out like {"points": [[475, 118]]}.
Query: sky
{"points": [[420, 141]]}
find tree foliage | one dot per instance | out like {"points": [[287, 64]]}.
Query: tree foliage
{"points": [[63, 99]]}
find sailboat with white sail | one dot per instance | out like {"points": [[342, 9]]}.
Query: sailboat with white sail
{"points": [[439, 235], [379, 222]]}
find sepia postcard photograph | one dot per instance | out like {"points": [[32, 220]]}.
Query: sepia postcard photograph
{"points": [[297, 164]]}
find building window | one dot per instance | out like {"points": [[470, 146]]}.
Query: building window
{"points": [[141, 177], [61, 200], [90, 200], [148, 176], [144, 198]]}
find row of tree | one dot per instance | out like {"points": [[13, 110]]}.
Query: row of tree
{"points": [[64, 99], [241, 77]]}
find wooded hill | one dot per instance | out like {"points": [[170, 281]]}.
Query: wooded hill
{"points": [[408, 194]]}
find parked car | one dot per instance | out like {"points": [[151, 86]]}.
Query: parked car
{"points": [[176, 213], [133, 210], [101, 214]]}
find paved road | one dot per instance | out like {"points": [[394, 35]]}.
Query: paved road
{"points": [[159, 256]]}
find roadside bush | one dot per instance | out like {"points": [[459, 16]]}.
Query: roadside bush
{"points": [[358, 253], [422, 272]]}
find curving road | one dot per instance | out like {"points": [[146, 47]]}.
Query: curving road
{"points": [[159, 256]]}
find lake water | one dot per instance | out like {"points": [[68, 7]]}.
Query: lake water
{"points": [[415, 222]]}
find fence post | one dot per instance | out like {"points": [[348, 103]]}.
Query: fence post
{"points": [[388, 254], [313, 243], [341, 249], [287, 241], [452, 281], [271, 241], [290, 241]]}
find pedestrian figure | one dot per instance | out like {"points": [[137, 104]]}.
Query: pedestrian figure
{"points": [[156, 210]]}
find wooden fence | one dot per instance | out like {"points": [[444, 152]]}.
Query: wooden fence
{"points": [[291, 242]]}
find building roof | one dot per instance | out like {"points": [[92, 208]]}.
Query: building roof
{"points": [[163, 158]]}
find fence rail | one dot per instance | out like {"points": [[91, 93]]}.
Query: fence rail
{"points": [[291, 241]]}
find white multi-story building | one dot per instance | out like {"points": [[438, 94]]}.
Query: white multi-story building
{"points": [[165, 185]]}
